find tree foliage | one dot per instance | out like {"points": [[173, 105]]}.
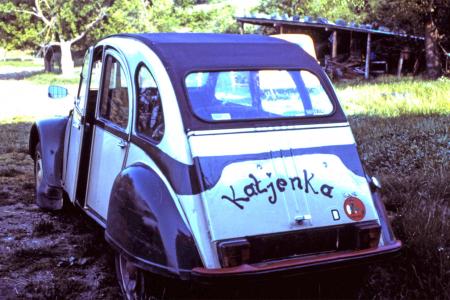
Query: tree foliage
{"points": [[429, 18], [33, 23], [45, 21], [349, 10], [52, 22]]}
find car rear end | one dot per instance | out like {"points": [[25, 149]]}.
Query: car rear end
{"points": [[279, 197]]}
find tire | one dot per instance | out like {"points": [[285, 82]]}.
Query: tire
{"points": [[41, 186], [137, 284], [38, 171]]}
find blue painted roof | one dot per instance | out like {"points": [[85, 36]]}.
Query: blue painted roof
{"points": [[183, 53], [187, 52]]}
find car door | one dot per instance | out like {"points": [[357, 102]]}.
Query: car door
{"points": [[110, 134], [76, 130]]}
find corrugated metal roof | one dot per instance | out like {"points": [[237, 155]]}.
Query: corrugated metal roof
{"points": [[322, 23]]}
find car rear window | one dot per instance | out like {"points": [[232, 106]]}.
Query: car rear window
{"points": [[261, 94]]}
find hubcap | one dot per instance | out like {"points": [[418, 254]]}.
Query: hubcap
{"points": [[130, 275], [38, 169]]}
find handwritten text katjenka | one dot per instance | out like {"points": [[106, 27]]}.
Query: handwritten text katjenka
{"points": [[279, 184]]}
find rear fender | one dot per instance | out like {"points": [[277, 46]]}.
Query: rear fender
{"points": [[144, 224], [50, 134]]}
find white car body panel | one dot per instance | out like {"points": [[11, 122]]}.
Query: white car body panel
{"points": [[271, 139], [107, 160], [326, 182]]}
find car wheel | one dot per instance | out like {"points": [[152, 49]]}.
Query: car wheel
{"points": [[55, 202], [38, 172], [137, 283]]}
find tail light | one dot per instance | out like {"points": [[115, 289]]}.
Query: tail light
{"points": [[234, 253], [367, 235]]}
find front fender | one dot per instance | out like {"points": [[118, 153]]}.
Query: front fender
{"points": [[144, 223], [50, 134]]}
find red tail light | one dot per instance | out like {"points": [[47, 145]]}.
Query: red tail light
{"points": [[367, 235], [234, 253]]}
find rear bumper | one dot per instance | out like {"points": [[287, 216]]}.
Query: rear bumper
{"points": [[300, 265]]}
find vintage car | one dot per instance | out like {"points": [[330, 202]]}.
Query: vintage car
{"points": [[208, 157]]}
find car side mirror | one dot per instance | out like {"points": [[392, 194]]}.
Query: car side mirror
{"points": [[56, 92]]}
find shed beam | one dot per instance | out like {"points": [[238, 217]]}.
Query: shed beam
{"points": [[367, 71], [241, 27], [400, 65]]}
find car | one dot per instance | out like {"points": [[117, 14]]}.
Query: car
{"points": [[211, 156]]}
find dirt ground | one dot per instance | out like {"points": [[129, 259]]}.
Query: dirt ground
{"points": [[45, 255]]}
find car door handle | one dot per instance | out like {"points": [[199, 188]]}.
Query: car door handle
{"points": [[122, 144]]}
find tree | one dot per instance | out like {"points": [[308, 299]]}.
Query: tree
{"points": [[349, 10], [63, 23], [57, 22], [427, 18]]}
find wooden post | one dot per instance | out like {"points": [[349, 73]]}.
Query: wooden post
{"points": [[352, 43], [241, 27], [400, 65], [281, 29], [334, 49], [366, 73]]}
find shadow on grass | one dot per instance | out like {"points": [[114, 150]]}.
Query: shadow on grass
{"points": [[20, 74]]}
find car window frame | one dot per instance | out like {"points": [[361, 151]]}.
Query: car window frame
{"points": [[109, 51], [138, 133], [84, 81]]}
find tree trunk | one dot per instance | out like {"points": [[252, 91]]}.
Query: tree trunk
{"points": [[431, 50], [67, 65]]}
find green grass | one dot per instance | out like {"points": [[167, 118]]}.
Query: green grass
{"points": [[390, 97], [17, 120], [411, 156], [55, 79], [402, 128]]}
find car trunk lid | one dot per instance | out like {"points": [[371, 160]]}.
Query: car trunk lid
{"points": [[273, 181]]}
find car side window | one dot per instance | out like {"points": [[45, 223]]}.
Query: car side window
{"points": [[150, 119], [114, 101]]}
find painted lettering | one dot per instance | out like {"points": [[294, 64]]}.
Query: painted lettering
{"points": [[235, 200], [299, 183], [249, 190], [257, 182], [281, 184], [272, 199], [308, 182], [326, 190], [275, 186]]}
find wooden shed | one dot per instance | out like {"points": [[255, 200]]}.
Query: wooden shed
{"points": [[350, 49]]}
